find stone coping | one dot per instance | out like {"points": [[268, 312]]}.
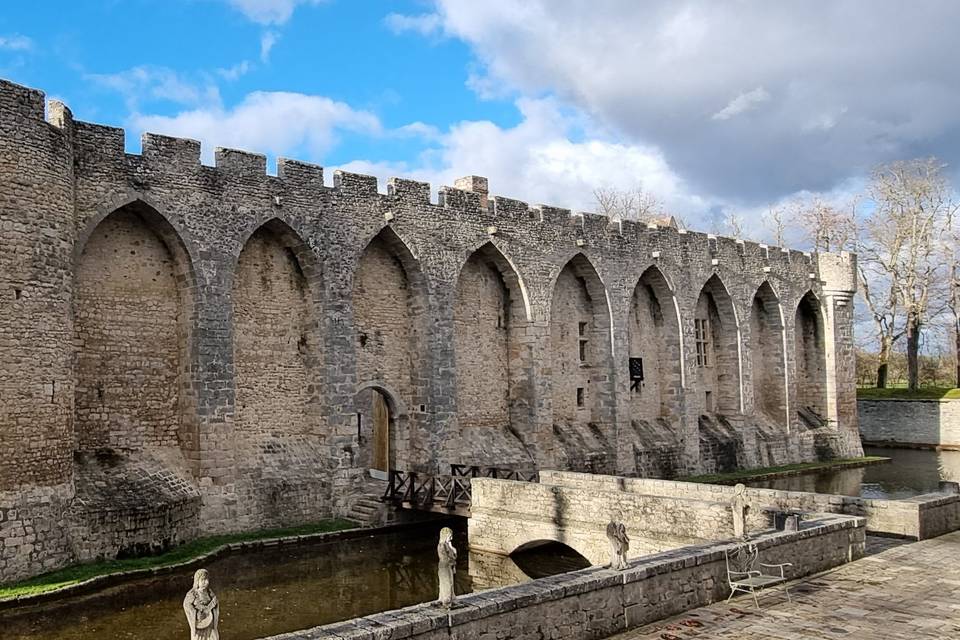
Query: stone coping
{"points": [[119, 577], [423, 618], [650, 488], [908, 399]]}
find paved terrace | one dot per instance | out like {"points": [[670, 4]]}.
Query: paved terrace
{"points": [[899, 591]]}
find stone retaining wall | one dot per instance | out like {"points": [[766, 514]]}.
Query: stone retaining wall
{"points": [[597, 602], [919, 517], [927, 423]]}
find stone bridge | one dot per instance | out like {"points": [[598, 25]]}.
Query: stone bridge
{"points": [[507, 516]]}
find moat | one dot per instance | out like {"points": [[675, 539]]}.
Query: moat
{"points": [[281, 589], [910, 472]]}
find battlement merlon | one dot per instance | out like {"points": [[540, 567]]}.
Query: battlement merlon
{"points": [[838, 273], [469, 195]]}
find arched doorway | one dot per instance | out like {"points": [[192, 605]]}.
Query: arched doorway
{"points": [[377, 427]]}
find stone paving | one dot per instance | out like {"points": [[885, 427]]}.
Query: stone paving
{"points": [[899, 591]]}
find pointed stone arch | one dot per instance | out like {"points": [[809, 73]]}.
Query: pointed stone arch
{"points": [[810, 356], [655, 369], [493, 360], [133, 316], [767, 354], [389, 314], [717, 350], [581, 352], [276, 295]]}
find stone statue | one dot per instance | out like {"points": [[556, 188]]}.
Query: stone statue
{"points": [[738, 504], [202, 608], [619, 545], [447, 568]]}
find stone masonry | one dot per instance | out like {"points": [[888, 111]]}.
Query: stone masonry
{"points": [[208, 340]]}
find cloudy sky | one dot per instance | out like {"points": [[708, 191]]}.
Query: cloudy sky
{"points": [[715, 107]]}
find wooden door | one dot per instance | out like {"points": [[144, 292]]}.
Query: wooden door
{"points": [[381, 433]]}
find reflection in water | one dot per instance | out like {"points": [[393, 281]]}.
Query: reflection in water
{"points": [[910, 472], [273, 590]]}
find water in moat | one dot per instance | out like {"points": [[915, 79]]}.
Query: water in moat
{"points": [[281, 589], [910, 472]]}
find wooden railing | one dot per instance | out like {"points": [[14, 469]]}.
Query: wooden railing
{"points": [[445, 493]]}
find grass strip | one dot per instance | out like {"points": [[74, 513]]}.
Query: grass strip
{"points": [[784, 470], [78, 573], [902, 393]]}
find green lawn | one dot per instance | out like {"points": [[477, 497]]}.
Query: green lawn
{"points": [[901, 393], [184, 553], [791, 469]]}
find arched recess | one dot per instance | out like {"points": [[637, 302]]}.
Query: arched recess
{"points": [[389, 311], [654, 360], [717, 349], [810, 353], [492, 361], [277, 342], [133, 311], [767, 354], [580, 347]]}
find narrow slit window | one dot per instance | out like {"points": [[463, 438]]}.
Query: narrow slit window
{"points": [[580, 396], [582, 342]]}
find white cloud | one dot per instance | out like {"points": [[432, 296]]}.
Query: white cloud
{"points": [[265, 122], [15, 42], [742, 103], [146, 83], [269, 11], [842, 88], [425, 24], [236, 71], [267, 40], [538, 161]]}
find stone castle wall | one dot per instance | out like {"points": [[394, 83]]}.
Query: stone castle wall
{"points": [[234, 324]]}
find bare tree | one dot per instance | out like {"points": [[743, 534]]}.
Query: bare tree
{"points": [[775, 223], [734, 223], [628, 204], [902, 246], [828, 228]]}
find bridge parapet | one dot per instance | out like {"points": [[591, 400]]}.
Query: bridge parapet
{"points": [[508, 515]]}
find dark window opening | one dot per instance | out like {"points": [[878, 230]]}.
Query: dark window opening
{"points": [[580, 398], [636, 374], [17, 293], [708, 401], [359, 427]]}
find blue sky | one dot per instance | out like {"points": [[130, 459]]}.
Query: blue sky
{"points": [[712, 107]]}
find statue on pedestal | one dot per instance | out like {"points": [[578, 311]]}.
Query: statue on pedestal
{"points": [[619, 545], [202, 608], [447, 554], [739, 506]]}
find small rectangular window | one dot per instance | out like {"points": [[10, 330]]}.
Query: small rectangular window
{"points": [[701, 338], [582, 352], [582, 327], [580, 398]]}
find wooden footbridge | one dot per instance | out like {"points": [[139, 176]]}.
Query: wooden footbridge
{"points": [[447, 494]]}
